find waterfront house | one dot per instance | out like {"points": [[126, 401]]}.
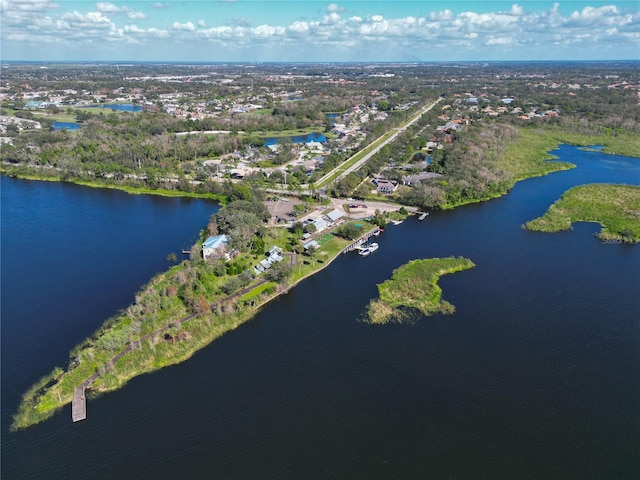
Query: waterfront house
{"points": [[385, 186], [214, 245]]}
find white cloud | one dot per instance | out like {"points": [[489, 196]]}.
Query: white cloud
{"points": [[505, 34], [111, 9], [516, 10], [161, 5], [299, 27], [187, 27], [499, 41]]}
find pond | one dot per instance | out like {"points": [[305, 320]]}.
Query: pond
{"points": [[65, 126], [121, 107], [310, 137]]}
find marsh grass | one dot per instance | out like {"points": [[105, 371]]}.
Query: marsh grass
{"points": [[615, 207], [414, 286]]}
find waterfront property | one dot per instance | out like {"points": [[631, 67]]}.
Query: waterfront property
{"points": [[214, 245]]}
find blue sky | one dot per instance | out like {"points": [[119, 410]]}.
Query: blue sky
{"points": [[310, 30]]}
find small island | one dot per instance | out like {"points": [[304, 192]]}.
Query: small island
{"points": [[615, 207], [414, 286]]}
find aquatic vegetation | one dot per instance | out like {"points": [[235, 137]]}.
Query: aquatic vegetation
{"points": [[415, 286], [615, 207]]}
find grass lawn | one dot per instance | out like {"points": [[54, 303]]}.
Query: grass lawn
{"points": [[322, 239]]}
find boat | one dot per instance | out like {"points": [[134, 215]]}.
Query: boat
{"points": [[376, 232], [396, 222], [369, 249]]}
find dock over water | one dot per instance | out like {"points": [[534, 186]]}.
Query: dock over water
{"points": [[79, 405], [356, 245]]}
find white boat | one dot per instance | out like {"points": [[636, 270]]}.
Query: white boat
{"points": [[369, 249], [396, 222]]}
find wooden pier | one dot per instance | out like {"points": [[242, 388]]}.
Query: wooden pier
{"points": [[79, 405], [356, 245]]}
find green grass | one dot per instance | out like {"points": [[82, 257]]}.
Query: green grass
{"points": [[615, 207], [324, 238], [56, 117], [414, 286], [527, 156], [256, 292]]}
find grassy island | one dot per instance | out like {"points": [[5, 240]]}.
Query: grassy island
{"points": [[615, 207], [415, 286]]}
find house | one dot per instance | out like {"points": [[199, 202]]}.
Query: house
{"points": [[213, 245], [311, 244], [265, 264], [320, 224], [274, 254], [385, 186], [335, 215], [413, 180]]}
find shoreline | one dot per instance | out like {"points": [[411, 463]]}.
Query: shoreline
{"points": [[96, 384], [229, 320]]}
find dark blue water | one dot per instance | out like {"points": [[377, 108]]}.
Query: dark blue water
{"points": [[534, 376], [310, 137], [71, 258], [65, 126], [121, 107]]}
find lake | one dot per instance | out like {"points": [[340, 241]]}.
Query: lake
{"points": [[121, 107], [310, 137], [65, 126], [534, 376]]}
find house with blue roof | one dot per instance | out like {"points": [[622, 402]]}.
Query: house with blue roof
{"points": [[214, 245]]}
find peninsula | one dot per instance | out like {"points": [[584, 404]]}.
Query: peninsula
{"points": [[615, 207], [383, 146]]}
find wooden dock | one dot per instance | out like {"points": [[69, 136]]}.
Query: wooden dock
{"points": [[79, 405], [357, 244]]}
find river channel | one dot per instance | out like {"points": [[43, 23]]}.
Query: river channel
{"points": [[534, 376]]}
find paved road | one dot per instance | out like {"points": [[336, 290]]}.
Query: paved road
{"points": [[397, 132]]}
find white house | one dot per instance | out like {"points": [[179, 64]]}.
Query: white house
{"points": [[214, 244], [320, 224]]}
